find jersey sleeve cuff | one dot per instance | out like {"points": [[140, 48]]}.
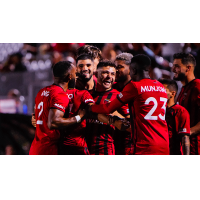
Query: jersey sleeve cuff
{"points": [[120, 99], [57, 109]]}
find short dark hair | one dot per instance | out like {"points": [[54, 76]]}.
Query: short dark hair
{"points": [[171, 84], [61, 68], [84, 57], [186, 58], [105, 63], [91, 50], [125, 57], [142, 61]]}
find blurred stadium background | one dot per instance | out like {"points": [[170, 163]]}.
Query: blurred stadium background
{"points": [[25, 68]]}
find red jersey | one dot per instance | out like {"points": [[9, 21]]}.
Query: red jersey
{"points": [[189, 98], [73, 137], [148, 98], [46, 140], [122, 139], [101, 134], [178, 122]]}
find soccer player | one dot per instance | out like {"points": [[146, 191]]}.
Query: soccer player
{"points": [[147, 104], [178, 121], [91, 50], [50, 105], [85, 69], [123, 139], [189, 97], [73, 138], [101, 134]]}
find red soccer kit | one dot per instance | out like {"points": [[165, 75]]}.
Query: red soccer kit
{"points": [[101, 135], [122, 139], [189, 98], [73, 141], [46, 140], [148, 98], [178, 122]]}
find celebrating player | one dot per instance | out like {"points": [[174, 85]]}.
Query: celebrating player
{"points": [[147, 104], [50, 105], [189, 97], [123, 139], [101, 134], [178, 121]]}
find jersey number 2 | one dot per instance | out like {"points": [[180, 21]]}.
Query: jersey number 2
{"points": [[149, 115], [40, 106]]}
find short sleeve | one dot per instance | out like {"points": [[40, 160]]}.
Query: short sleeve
{"points": [[183, 121], [59, 101], [124, 110], [128, 93], [87, 98]]}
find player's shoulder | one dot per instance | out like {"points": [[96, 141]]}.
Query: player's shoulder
{"points": [[179, 109], [196, 84], [114, 91]]}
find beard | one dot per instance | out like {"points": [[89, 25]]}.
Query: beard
{"points": [[72, 83], [180, 77], [84, 79]]}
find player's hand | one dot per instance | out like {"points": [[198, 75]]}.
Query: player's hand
{"points": [[82, 113], [33, 120]]}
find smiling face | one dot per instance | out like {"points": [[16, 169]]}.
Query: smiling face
{"points": [[122, 71], [85, 68], [106, 76], [179, 70]]}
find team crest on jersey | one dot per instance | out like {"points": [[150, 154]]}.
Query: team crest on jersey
{"points": [[70, 96], [59, 106], [120, 95], [45, 93], [106, 100]]}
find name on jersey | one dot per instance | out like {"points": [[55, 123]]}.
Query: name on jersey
{"points": [[153, 89], [45, 93], [59, 106]]}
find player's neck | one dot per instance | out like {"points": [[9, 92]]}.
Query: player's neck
{"points": [[188, 78], [170, 102], [122, 84], [64, 86], [90, 84], [100, 88]]}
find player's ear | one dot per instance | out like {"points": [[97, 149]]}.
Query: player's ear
{"points": [[188, 68], [67, 78], [173, 93]]}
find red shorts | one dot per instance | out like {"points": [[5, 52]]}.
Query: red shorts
{"points": [[47, 148]]}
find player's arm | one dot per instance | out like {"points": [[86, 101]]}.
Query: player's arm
{"points": [[33, 120], [196, 129], [183, 122], [128, 94], [56, 120], [186, 144]]}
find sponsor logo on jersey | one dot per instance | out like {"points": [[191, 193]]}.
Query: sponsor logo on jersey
{"points": [[45, 93], [120, 95], [89, 100], [153, 89], [59, 106]]}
